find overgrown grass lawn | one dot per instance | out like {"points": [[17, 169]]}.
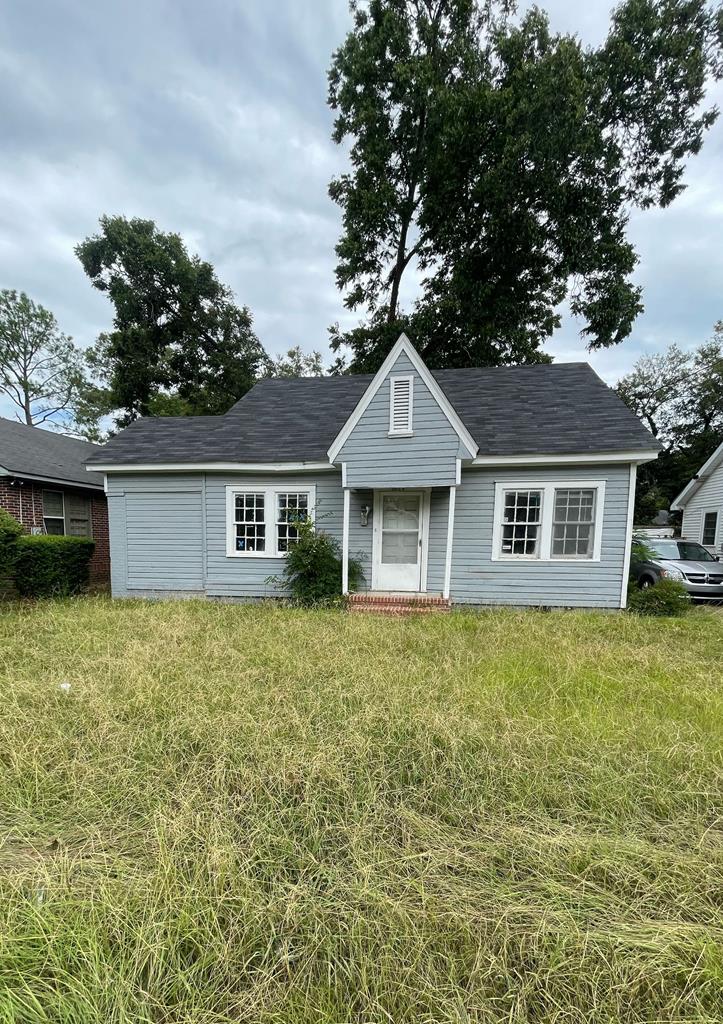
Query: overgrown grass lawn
{"points": [[256, 814]]}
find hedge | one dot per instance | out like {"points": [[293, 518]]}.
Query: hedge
{"points": [[49, 566]]}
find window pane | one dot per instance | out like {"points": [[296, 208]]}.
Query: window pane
{"points": [[710, 523], [53, 503], [55, 527], [573, 519], [291, 507], [400, 548], [250, 522], [400, 512], [521, 523], [77, 511]]}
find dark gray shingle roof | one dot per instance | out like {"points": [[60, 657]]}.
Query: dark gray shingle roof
{"points": [[33, 452], [557, 408]]}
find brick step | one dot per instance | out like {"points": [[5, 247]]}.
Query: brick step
{"points": [[398, 604]]}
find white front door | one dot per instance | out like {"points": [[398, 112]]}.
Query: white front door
{"points": [[398, 539]]}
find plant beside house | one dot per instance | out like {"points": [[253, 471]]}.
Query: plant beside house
{"points": [[312, 570], [42, 566]]}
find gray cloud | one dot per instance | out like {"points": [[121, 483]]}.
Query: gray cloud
{"points": [[211, 119]]}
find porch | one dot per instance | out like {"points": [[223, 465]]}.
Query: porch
{"points": [[400, 520]]}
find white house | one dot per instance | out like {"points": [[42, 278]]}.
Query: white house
{"points": [[701, 502]]}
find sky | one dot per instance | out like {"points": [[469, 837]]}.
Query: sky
{"points": [[211, 119]]}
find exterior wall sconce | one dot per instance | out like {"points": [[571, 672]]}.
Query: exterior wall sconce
{"points": [[364, 515]]}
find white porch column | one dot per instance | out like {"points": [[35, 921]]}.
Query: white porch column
{"points": [[450, 539], [345, 544]]}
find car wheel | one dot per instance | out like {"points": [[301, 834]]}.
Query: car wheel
{"points": [[646, 583]]}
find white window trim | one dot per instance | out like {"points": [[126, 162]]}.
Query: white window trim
{"points": [[270, 495], [707, 511], [408, 431], [53, 490], [548, 489]]}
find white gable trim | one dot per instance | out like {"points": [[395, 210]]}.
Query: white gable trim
{"points": [[405, 346], [700, 477]]}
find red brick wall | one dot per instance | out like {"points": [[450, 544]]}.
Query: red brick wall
{"points": [[24, 500]]}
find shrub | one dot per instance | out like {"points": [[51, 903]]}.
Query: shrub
{"points": [[666, 597], [52, 566], [312, 571], [10, 531]]}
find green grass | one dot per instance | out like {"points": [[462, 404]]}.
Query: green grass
{"points": [[262, 815]]}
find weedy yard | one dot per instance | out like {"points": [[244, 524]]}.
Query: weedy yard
{"points": [[263, 815]]}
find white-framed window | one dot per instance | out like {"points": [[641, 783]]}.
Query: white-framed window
{"points": [[709, 528], [521, 523], [54, 512], [401, 402], [558, 521], [573, 522], [260, 520]]}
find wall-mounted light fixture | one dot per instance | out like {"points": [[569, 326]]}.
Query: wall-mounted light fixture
{"points": [[365, 510]]}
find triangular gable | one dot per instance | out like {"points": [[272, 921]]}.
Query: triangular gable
{"points": [[405, 346], [698, 480]]}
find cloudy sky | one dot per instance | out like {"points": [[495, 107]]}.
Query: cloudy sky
{"points": [[210, 118]]}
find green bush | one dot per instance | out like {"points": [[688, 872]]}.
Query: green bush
{"points": [[312, 571], [666, 597], [52, 566], [10, 530]]}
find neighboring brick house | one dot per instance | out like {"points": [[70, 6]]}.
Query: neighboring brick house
{"points": [[44, 484]]}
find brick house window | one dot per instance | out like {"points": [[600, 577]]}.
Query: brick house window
{"points": [[54, 512]]}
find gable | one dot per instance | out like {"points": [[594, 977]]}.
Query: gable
{"points": [[403, 362], [402, 438]]}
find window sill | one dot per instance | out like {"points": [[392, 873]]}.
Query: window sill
{"points": [[533, 560], [255, 554]]}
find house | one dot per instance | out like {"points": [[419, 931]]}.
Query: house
{"points": [[701, 503], [511, 485], [44, 484]]}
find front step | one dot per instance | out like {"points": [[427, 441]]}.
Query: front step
{"points": [[398, 605]]}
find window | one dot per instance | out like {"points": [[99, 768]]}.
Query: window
{"points": [[400, 405], [573, 523], [77, 515], [710, 528], [249, 521], [290, 508], [260, 520], [54, 512], [521, 523], [548, 521]]}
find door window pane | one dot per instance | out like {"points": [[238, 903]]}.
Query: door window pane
{"points": [[401, 512], [400, 548]]}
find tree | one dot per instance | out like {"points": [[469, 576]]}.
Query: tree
{"points": [[296, 363], [178, 339], [679, 396], [501, 160], [40, 367]]}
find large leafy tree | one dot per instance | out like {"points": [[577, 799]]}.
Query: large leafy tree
{"points": [[500, 161], [179, 343], [679, 396], [41, 370]]}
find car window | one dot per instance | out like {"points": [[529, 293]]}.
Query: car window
{"points": [[691, 552]]}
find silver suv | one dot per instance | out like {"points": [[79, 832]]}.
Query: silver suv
{"points": [[684, 560]]}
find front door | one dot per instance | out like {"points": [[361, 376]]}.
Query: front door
{"points": [[398, 540]]}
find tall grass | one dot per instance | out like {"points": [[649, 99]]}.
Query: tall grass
{"points": [[263, 815]]}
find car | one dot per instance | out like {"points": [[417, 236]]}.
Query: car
{"points": [[686, 561]]}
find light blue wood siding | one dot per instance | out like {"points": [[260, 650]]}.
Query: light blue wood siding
{"points": [[427, 459], [168, 535], [477, 579]]}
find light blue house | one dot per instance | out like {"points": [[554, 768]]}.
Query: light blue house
{"points": [[510, 485]]}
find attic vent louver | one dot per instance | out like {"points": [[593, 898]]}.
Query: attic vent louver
{"points": [[400, 405]]}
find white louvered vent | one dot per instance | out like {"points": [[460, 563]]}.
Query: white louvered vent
{"points": [[400, 405]]}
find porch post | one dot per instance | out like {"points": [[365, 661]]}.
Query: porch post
{"points": [[345, 544], [450, 538]]}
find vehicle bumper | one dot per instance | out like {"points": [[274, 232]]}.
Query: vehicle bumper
{"points": [[704, 591]]}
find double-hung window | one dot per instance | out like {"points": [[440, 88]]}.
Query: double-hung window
{"points": [[521, 523], [710, 528], [555, 521], [54, 512], [262, 521], [573, 522]]}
